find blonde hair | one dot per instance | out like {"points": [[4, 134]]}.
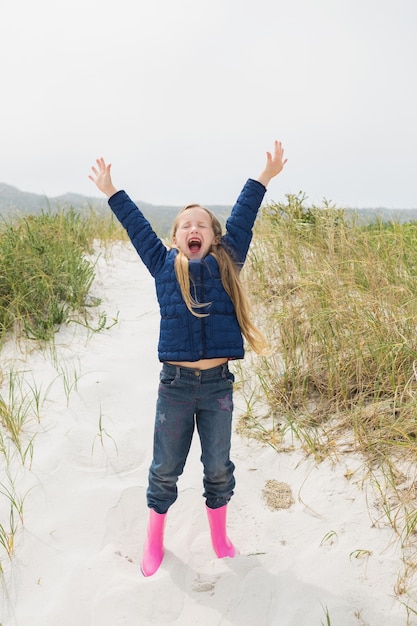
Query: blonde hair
{"points": [[230, 277]]}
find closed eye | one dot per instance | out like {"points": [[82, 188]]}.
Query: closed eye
{"points": [[188, 225]]}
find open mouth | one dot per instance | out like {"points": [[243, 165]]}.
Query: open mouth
{"points": [[194, 245]]}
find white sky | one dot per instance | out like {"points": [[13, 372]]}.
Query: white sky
{"points": [[184, 97]]}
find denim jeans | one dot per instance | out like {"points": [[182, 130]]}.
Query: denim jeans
{"points": [[187, 398]]}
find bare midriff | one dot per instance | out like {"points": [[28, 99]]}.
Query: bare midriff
{"points": [[203, 364]]}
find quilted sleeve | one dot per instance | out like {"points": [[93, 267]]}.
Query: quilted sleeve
{"points": [[242, 218], [148, 245]]}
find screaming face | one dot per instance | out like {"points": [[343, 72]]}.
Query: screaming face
{"points": [[194, 235]]}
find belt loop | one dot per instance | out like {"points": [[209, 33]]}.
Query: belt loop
{"points": [[177, 372]]}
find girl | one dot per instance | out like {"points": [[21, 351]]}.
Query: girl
{"points": [[204, 313]]}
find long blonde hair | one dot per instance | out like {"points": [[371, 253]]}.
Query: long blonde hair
{"points": [[230, 277]]}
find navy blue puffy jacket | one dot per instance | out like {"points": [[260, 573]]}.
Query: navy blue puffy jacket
{"points": [[183, 336]]}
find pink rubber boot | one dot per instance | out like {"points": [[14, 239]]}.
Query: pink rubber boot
{"points": [[153, 550], [217, 522]]}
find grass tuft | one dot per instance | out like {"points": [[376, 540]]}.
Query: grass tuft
{"points": [[45, 276]]}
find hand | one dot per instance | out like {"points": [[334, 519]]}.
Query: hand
{"points": [[102, 177], [274, 164]]}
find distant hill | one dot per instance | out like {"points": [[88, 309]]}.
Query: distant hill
{"points": [[14, 202], [386, 215]]}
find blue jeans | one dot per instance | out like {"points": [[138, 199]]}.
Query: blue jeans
{"points": [[187, 398]]}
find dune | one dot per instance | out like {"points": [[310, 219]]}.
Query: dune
{"points": [[314, 549]]}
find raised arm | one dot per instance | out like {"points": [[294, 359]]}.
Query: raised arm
{"points": [[242, 218], [148, 245], [274, 164]]}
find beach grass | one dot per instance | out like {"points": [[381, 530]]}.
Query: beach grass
{"points": [[46, 272], [337, 300]]}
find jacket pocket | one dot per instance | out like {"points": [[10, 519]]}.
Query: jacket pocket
{"points": [[173, 333], [223, 331]]}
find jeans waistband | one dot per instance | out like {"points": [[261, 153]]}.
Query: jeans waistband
{"points": [[220, 371]]}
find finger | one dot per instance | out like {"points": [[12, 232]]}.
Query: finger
{"points": [[278, 148]]}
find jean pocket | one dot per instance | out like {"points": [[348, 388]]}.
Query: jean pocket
{"points": [[167, 379], [230, 378]]}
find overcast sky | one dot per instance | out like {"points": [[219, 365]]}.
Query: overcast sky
{"points": [[184, 97]]}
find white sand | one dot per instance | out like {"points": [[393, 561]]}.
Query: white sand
{"points": [[77, 554]]}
